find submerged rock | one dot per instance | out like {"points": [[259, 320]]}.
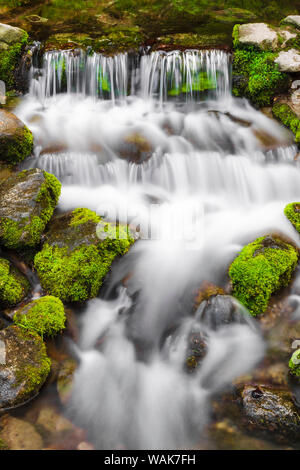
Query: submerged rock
{"points": [[221, 310], [27, 202], [262, 268], [19, 435], [270, 410], [65, 379], [24, 366], [289, 61], [78, 251], [45, 316], [16, 141], [13, 285]]}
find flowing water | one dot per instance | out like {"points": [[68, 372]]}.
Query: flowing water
{"points": [[209, 174]]}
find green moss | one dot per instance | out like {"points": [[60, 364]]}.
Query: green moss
{"points": [[45, 316], [292, 212], [81, 216], [261, 269], [3, 445], [294, 363], [34, 373], [17, 234], [76, 274], [15, 150], [262, 77], [9, 60], [284, 113], [13, 285]]}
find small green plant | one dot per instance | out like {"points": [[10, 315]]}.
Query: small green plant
{"points": [[294, 363]]}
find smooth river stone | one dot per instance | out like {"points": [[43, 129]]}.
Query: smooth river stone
{"points": [[289, 61]]}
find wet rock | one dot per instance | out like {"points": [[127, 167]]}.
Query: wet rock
{"points": [[270, 410], [65, 379], [78, 251], [259, 35], [45, 316], [221, 310], [50, 423], [24, 366], [136, 148], [261, 269], [289, 61], [294, 364], [19, 435], [13, 285], [205, 291], [36, 19], [16, 141], [196, 349], [27, 202]]}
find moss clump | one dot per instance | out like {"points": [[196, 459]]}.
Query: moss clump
{"points": [[292, 212], [13, 285], [262, 268], [15, 234], [82, 216], [284, 113], [14, 150], [261, 77], [36, 369], [74, 271], [3, 445], [294, 363], [9, 59], [45, 316]]}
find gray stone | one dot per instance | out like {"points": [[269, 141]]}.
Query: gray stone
{"points": [[258, 34], [293, 20], [289, 61]]}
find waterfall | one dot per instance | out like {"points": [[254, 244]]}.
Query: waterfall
{"points": [[159, 139], [188, 75]]}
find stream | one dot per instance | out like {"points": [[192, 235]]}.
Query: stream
{"points": [[157, 140]]}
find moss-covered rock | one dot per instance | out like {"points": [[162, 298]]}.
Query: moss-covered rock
{"points": [[12, 43], [27, 202], [284, 113], [16, 140], [24, 366], [294, 364], [256, 75], [45, 316], [13, 285], [292, 212], [78, 251], [262, 268]]}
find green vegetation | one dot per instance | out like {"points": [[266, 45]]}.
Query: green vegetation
{"points": [[257, 77], [286, 115], [13, 285], [16, 148], [45, 316], [73, 269], [294, 363], [27, 231], [292, 212], [9, 59], [36, 367], [262, 268]]}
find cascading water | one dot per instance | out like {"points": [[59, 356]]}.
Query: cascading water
{"points": [[197, 152]]}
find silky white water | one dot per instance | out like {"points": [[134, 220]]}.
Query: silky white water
{"points": [[211, 175]]}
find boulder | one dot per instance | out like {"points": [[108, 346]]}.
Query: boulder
{"points": [[13, 285], [259, 35], [221, 310], [261, 269], [16, 141], [12, 43], [24, 366], [293, 20], [135, 148], [19, 435], [271, 410], [289, 61], [27, 202], [45, 316], [78, 251]]}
